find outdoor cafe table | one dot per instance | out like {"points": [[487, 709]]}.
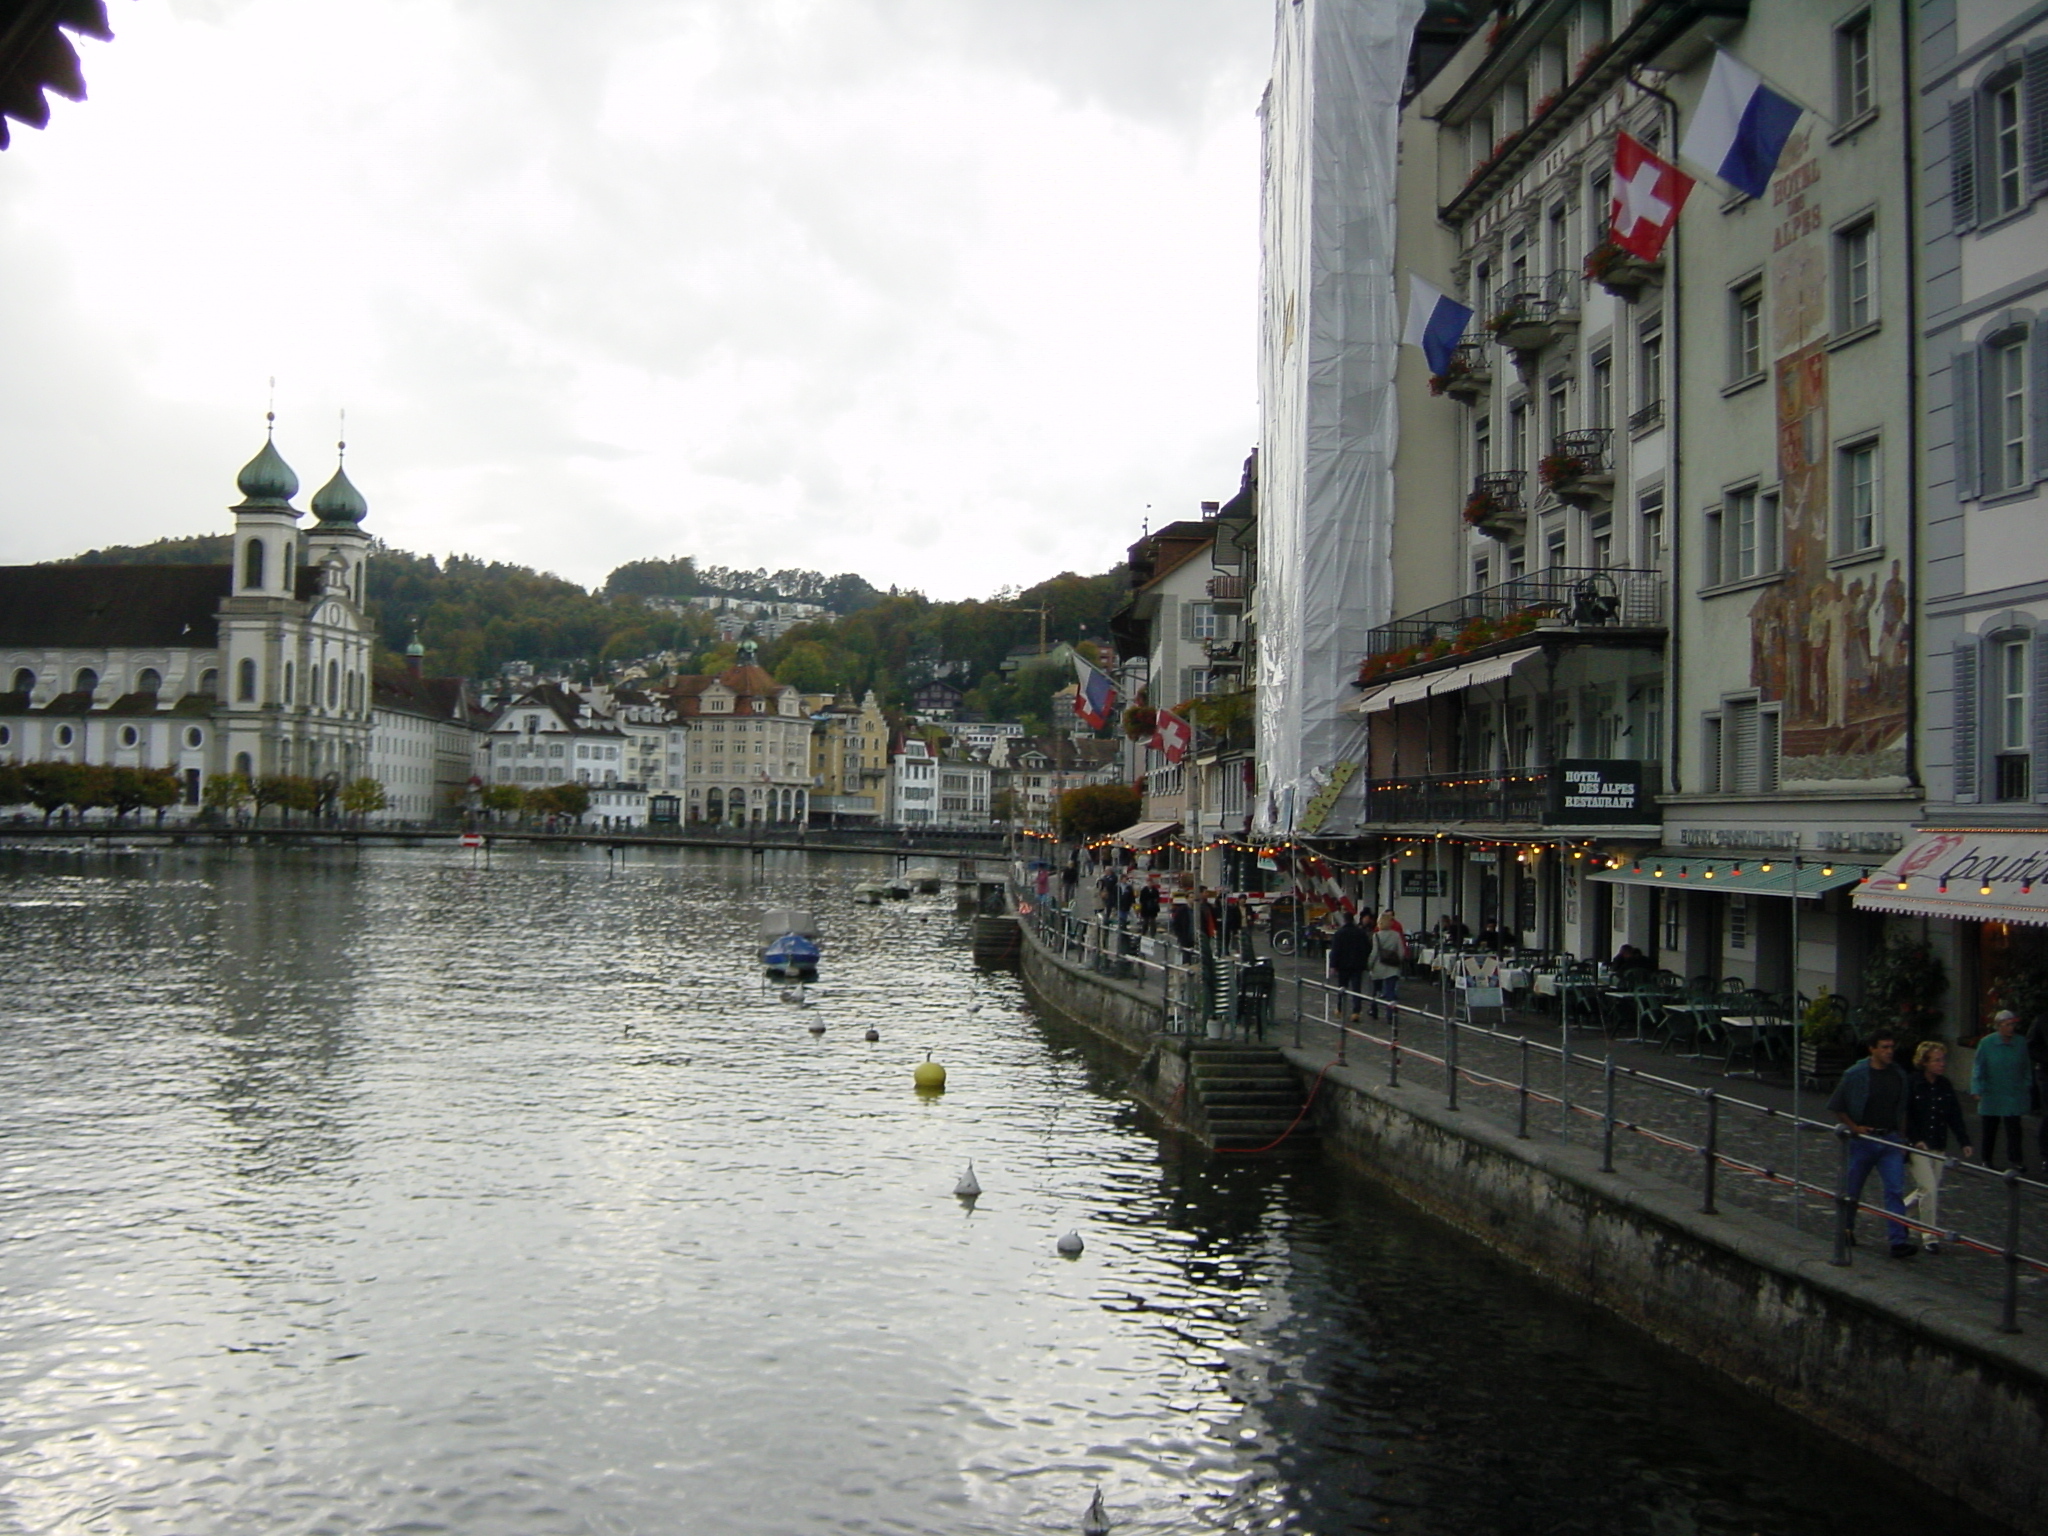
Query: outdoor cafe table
{"points": [[1705, 1016]]}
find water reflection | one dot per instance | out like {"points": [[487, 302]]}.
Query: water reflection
{"points": [[422, 1194]]}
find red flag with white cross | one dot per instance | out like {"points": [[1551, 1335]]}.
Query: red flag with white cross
{"points": [[1648, 192], [1171, 735]]}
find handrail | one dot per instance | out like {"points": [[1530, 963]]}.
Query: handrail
{"points": [[1712, 1159]]}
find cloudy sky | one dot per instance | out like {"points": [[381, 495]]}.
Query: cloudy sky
{"points": [[945, 292]]}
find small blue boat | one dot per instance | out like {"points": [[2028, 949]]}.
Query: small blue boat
{"points": [[791, 957]]}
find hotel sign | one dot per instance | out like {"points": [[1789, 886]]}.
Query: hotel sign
{"points": [[1595, 792]]}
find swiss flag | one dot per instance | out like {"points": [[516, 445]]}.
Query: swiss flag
{"points": [[1648, 193], [1171, 735]]}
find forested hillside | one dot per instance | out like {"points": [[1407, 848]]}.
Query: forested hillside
{"points": [[475, 615]]}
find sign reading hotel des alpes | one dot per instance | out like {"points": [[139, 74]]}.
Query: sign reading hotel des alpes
{"points": [[1596, 792]]}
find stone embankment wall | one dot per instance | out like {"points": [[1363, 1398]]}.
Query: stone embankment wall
{"points": [[1935, 1391]]}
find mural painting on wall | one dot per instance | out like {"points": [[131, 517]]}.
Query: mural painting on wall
{"points": [[1829, 641]]}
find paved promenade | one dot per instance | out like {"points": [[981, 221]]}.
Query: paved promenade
{"points": [[1662, 1127]]}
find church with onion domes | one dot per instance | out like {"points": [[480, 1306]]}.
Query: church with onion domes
{"points": [[258, 667]]}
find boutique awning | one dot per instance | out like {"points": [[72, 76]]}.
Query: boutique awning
{"points": [[1990, 876], [1745, 875], [1408, 689], [1144, 834]]}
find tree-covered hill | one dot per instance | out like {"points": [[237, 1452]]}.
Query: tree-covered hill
{"points": [[474, 616]]}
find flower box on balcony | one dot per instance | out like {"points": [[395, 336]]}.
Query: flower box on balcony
{"points": [[1495, 505], [1620, 273], [1578, 470], [1468, 379]]}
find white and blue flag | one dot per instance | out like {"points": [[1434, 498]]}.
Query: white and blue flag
{"points": [[1436, 323], [1740, 126]]}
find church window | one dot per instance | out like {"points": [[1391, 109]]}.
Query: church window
{"points": [[244, 764], [24, 680], [149, 680], [6, 736], [64, 735], [86, 681], [334, 685], [252, 564], [209, 681], [130, 736], [288, 681], [245, 682], [194, 737]]}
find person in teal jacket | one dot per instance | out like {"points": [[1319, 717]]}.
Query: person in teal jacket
{"points": [[2002, 1078]]}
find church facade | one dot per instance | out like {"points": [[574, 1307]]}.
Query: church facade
{"points": [[259, 667]]}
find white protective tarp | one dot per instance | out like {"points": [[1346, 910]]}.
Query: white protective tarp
{"points": [[1329, 330]]}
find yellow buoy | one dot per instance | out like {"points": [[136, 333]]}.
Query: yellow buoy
{"points": [[929, 1073]]}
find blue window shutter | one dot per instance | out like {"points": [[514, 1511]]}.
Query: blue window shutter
{"points": [[1962, 420], [1967, 738], [2037, 394], [1962, 163], [2038, 701], [2034, 119]]}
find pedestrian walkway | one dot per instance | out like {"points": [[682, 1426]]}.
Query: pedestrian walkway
{"points": [[1776, 1154]]}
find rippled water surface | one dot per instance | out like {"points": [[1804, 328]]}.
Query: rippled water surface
{"points": [[401, 1194]]}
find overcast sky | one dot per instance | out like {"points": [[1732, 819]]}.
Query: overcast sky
{"points": [[945, 292]]}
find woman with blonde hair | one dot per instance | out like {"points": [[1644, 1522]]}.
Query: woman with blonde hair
{"points": [[1933, 1113]]}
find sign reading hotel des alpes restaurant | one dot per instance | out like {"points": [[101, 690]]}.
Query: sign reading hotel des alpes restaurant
{"points": [[1598, 792]]}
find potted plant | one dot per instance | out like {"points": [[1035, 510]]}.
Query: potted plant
{"points": [[1826, 1046], [1466, 379], [1620, 272]]}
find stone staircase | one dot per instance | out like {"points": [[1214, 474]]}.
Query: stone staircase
{"points": [[1243, 1097]]}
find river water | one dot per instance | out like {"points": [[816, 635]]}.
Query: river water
{"points": [[395, 1193]]}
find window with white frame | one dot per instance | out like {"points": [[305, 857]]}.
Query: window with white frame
{"points": [[2006, 399], [1853, 90], [1856, 497], [1746, 330], [2004, 183], [1650, 367], [1600, 388], [2012, 717], [1855, 276]]}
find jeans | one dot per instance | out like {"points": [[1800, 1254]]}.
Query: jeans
{"points": [[1386, 990], [1888, 1157]]}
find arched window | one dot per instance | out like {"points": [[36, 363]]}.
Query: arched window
{"points": [[86, 680], [209, 681], [252, 564], [149, 680], [288, 566], [245, 683], [334, 685], [243, 765], [715, 805], [24, 680], [288, 681]]}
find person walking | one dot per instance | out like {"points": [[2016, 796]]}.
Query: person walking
{"points": [[1148, 907], [1933, 1114], [1389, 954], [1180, 921], [2002, 1078], [1350, 954], [1870, 1101]]}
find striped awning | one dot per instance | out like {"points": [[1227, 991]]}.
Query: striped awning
{"points": [[1408, 689], [1983, 876]]}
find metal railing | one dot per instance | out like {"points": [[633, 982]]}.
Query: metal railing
{"points": [[1683, 1132], [1564, 594], [1589, 450]]}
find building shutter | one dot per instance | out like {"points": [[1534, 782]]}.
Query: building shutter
{"points": [[1741, 746], [2038, 701], [1962, 163], [1187, 621], [2037, 394], [1962, 416], [1767, 752], [2034, 95], [1965, 739]]}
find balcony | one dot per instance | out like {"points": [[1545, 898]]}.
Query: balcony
{"points": [[1572, 598], [1621, 274], [1495, 505], [1579, 469], [1576, 792], [1469, 377], [1226, 589], [1224, 655], [1532, 314]]}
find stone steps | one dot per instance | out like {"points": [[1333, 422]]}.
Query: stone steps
{"points": [[1248, 1096]]}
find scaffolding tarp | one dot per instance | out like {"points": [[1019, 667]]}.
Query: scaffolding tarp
{"points": [[1329, 332]]}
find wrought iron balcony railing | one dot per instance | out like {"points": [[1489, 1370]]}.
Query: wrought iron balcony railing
{"points": [[1590, 596]]}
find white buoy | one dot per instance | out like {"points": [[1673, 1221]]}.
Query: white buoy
{"points": [[969, 1186], [974, 1007], [817, 1026], [1096, 1521], [792, 994], [872, 1035], [1071, 1245]]}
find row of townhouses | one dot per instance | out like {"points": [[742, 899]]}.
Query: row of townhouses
{"points": [[263, 667], [1697, 602]]}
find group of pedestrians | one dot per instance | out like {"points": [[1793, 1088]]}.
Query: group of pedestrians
{"points": [[1909, 1119], [1366, 958]]}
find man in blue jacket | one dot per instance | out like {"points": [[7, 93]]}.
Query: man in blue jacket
{"points": [[1871, 1101]]}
